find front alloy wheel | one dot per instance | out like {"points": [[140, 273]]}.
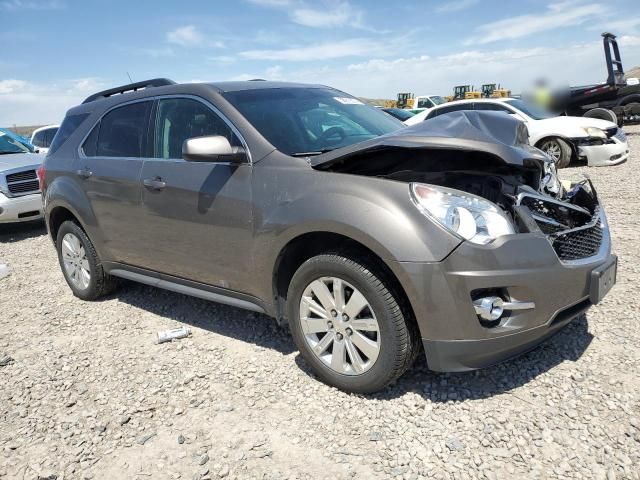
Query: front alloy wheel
{"points": [[340, 326], [558, 150], [349, 322]]}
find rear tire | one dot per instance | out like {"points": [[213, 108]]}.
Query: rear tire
{"points": [[80, 264], [558, 150], [362, 354]]}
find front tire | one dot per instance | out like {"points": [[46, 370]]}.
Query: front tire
{"points": [[348, 323], [558, 150], [81, 266]]}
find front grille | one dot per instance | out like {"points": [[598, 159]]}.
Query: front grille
{"points": [[21, 183], [611, 132], [573, 231], [24, 187], [577, 244], [620, 135], [26, 175]]}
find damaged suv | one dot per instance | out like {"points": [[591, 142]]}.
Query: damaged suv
{"points": [[372, 241]]}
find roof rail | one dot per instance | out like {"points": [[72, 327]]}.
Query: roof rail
{"points": [[131, 87]]}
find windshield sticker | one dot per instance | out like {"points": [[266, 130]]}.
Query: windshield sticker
{"points": [[348, 101]]}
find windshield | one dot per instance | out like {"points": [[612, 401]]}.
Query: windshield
{"points": [[438, 100], [309, 121], [533, 111], [9, 144]]}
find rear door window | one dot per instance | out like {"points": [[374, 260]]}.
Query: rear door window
{"points": [[492, 107], [48, 136], [69, 125], [122, 131], [451, 108], [38, 139]]}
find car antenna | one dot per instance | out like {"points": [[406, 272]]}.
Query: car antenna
{"points": [[130, 80]]}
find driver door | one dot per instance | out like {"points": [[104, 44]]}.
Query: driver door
{"points": [[198, 215]]}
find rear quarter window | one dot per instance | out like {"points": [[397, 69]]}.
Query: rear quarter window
{"points": [[69, 125]]}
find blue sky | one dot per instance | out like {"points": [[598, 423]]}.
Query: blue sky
{"points": [[56, 52]]}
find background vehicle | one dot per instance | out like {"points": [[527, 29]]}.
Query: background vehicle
{"points": [[615, 94], [43, 136], [302, 202], [490, 90], [20, 198], [596, 141], [410, 102]]}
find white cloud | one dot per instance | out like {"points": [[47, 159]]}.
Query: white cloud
{"points": [[186, 36], [618, 25], [11, 86], [357, 47], [557, 15], [342, 14], [29, 103], [577, 64], [15, 5], [455, 5], [323, 14]]}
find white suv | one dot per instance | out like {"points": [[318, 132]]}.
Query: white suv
{"points": [[42, 137]]}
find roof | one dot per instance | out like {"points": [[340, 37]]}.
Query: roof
{"points": [[259, 85], [46, 127]]}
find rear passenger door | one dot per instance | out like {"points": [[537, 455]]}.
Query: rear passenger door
{"points": [[199, 222], [108, 169]]}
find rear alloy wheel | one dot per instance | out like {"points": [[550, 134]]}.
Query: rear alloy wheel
{"points": [[75, 263], [558, 150], [348, 323], [80, 263]]}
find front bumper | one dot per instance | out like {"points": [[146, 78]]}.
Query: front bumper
{"points": [[603, 155], [20, 209], [526, 267]]}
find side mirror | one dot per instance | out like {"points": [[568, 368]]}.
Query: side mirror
{"points": [[212, 149]]}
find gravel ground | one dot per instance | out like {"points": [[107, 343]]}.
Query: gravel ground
{"points": [[85, 392]]}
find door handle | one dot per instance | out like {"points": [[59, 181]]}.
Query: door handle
{"points": [[84, 172], [155, 183]]}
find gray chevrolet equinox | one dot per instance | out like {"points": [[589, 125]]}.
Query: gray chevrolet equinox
{"points": [[370, 240]]}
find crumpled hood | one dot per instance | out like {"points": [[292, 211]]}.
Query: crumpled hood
{"points": [[19, 160], [491, 132]]}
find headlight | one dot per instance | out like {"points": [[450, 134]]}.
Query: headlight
{"points": [[471, 217], [595, 132]]}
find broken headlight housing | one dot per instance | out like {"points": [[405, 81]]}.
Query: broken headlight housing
{"points": [[468, 216], [595, 132]]}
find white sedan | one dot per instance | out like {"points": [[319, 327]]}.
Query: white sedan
{"points": [[599, 142]]}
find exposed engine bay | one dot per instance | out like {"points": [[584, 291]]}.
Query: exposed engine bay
{"points": [[519, 179]]}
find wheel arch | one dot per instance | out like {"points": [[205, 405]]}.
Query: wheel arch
{"points": [[552, 136], [65, 200], [307, 245], [632, 97]]}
